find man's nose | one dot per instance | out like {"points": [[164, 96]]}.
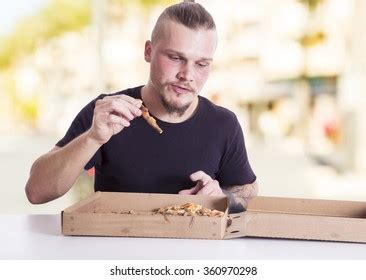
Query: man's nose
{"points": [[186, 73]]}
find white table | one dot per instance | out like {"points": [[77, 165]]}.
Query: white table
{"points": [[39, 237]]}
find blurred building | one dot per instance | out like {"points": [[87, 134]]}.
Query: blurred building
{"points": [[292, 70]]}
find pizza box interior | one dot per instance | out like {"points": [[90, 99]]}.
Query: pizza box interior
{"points": [[131, 214]]}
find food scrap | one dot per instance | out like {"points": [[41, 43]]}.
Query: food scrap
{"points": [[189, 209], [150, 120]]}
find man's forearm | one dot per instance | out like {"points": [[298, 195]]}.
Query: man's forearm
{"points": [[54, 173], [240, 195]]}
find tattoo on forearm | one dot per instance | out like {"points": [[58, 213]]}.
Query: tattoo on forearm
{"points": [[240, 195], [246, 191]]}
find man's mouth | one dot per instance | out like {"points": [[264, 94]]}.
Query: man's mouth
{"points": [[181, 89]]}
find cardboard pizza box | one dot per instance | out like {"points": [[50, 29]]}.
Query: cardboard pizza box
{"points": [[107, 214], [131, 214], [309, 219]]}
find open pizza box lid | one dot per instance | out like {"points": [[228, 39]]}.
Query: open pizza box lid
{"points": [[109, 214], [310, 219]]}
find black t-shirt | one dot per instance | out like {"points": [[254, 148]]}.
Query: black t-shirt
{"points": [[139, 159]]}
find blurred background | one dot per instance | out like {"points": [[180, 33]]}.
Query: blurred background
{"points": [[293, 71]]}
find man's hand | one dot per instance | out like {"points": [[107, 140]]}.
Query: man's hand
{"points": [[205, 185], [239, 196], [111, 115]]}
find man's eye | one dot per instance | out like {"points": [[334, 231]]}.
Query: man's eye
{"points": [[202, 64], [174, 58]]}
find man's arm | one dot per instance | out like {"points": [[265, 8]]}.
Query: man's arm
{"points": [[54, 173], [239, 196]]}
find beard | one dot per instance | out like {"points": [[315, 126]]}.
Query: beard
{"points": [[173, 108]]}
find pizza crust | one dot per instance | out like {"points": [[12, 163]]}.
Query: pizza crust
{"points": [[150, 120]]}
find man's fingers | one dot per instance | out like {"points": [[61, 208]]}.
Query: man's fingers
{"points": [[186, 192], [125, 100], [210, 191], [197, 188], [129, 99], [201, 176], [114, 119], [212, 188], [193, 190], [119, 107], [205, 191]]}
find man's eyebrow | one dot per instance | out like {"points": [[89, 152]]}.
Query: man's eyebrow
{"points": [[183, 55]]}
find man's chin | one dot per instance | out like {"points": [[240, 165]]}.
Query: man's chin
{"points": [[175, 107]]}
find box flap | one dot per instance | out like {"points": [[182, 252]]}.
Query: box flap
{"points": [[306, 219], [114, 201], [318, 207]]}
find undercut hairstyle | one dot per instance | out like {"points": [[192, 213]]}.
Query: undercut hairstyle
{"points": [[187, 13]]}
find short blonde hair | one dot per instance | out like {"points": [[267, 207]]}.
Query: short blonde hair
{"points": [[187, 13]]}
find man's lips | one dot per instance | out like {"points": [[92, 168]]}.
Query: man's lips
{"points": [[181, 89]]}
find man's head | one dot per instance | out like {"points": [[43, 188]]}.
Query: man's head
{"points": [[180, 52]]}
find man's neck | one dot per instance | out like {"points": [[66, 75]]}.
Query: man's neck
{"points": [[153, 102]]}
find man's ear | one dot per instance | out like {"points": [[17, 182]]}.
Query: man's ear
{"points": [[147, 51]]}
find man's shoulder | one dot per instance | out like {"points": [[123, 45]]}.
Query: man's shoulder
{"points": [[217, 113]]}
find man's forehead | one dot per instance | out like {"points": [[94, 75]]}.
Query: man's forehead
{"points": [[179, 38]]}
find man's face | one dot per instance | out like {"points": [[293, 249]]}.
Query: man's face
{"points": [[180, 62]]}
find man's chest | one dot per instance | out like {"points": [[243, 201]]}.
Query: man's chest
{"points": [[155, 155]]}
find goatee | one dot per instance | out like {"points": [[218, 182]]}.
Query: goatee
{"points": [[172, 109]]}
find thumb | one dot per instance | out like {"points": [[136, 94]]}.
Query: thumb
{"points": [[193, 190], [201, 176]]}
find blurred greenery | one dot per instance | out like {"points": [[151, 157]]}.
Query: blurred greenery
{"points": [[57, 17], [312, 4], [26, 109]]}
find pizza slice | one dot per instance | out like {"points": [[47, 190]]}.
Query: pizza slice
{"points": [[150, 120]]}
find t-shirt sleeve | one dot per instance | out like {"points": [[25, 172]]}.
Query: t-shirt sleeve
{"points": [[235, 168], [79, 125]]}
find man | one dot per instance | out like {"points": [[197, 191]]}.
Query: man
{"points": [[201, 149]]}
